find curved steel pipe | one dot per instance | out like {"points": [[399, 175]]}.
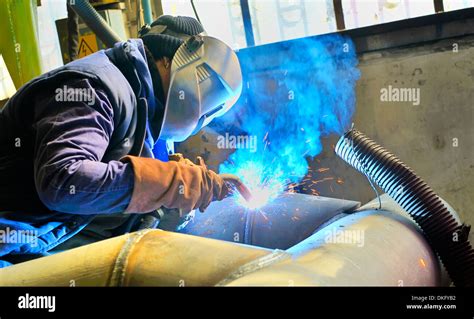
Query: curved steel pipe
{"points": [[385, 249], [279, 224], [143, 258], [370, 248]]}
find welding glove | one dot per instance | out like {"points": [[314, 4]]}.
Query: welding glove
{"points": [[175, 184], [178, 157]]}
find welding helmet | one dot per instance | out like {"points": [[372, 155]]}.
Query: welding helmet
{"points": [[205, 75], [205, 82]]}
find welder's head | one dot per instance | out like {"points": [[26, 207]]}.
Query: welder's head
{"points": [[200, 75]]}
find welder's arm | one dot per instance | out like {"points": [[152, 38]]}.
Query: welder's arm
{"points": [[174, 184], [71, 139]]}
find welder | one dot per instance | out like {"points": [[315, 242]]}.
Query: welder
{"points": [[84, 148]]}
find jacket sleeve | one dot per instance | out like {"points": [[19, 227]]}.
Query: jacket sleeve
{"points": [[71, 138]]}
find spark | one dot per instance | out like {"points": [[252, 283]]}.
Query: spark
{"points": [[295, 218], [422, 263], [260, 197], [265, 137], [263, 187], [322, 180]]}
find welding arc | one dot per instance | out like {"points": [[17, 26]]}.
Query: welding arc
{"points": [[446, 236], [238, 184]]}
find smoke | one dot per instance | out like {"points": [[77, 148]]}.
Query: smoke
{"points": [[290, 109]]}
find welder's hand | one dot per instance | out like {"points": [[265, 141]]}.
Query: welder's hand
{"points": [[178, 157], [175, 184]]}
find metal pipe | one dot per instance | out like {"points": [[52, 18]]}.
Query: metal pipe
{"points": [[279, 224], [438, 6], [247, 20], [339, 15], [370, 248], [18, 42], [386, 250], [147, 13], [94, 21], [144, 258]]}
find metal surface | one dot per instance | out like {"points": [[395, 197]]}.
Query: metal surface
{"points": [[392, 252], [147, 13], [388, 204], [144, 258], [280, 224]]}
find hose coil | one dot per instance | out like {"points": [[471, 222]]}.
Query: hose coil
{"points": [[446, 236]]}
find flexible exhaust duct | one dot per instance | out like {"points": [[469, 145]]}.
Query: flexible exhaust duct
{"points": [[446, 236], [94, 21]]}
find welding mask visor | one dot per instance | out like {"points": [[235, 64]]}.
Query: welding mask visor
{"points": [[205, 82]]}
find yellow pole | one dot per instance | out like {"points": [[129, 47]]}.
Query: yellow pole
{"points": [[18, 43]]}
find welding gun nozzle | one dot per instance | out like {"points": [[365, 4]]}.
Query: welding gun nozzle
{"points": [[238, 184]]}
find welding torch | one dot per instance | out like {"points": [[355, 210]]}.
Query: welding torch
{"points": [[238, 184], [228, 178]]}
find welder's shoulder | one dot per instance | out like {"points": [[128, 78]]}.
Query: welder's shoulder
{"points": [[81, 94]]}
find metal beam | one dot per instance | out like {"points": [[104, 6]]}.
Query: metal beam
{"points": [[339, 15], [247, 19], [438, 6]]}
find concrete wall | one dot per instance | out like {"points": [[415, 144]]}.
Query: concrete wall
{"points": [[435, 138]]}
